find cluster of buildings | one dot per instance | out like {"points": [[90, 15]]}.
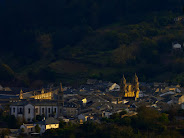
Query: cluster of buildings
{"points": [[179, 19], [91, 101]]}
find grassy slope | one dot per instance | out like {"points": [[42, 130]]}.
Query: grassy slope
{"points": [[95, 58]]}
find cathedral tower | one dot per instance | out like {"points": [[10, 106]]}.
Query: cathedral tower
{"points": [[130, 90], [123, 85], [137, 90]]}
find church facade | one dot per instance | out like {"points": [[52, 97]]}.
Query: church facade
{"points": [[130, 90]]}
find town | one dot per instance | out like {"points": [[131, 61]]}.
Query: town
{"points": [[43, 109]]}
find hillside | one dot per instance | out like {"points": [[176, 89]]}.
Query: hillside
{"points": [[66, 41]]}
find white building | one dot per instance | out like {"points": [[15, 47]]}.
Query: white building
{"points": [[47, 108], [114, 87], [50, 123], [30, 109]]}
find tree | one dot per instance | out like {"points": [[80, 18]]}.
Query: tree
{"points": [[12, 122], [37, 129], [22, 130], [62, 124], [5, 132], [164, 118]]}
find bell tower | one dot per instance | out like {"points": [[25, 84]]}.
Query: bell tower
{"points": [[21, 94], [130, 90], [60, 100], [60, 95], [42, 92], [123, 86], [137, 90]]}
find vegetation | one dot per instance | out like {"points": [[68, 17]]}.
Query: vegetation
{"points": [[37, 129], [5, 132], [147, 123], [71, 40], [9, 121]]}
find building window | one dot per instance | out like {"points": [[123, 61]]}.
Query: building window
{"points": [[29, 110], [60, 111], [14, 110], [42, 110], [55, 110], [20, 110], [49, 110], [36, 110]]}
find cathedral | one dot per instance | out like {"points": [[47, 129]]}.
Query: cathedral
{"points": [[129, 90]]}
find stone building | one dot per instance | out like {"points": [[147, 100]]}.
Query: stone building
{"points": [[28, 109], [129, 90], [45, 124]]}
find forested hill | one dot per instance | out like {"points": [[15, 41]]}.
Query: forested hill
{"points": [[64, 40]]}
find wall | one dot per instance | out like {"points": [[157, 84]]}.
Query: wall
{"points": [[12, 111], [50, 126], [29, 116]]}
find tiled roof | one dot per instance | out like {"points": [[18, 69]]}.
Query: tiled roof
{"points": [[35, 102], [48, 121]]}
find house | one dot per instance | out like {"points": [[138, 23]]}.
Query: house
{"points": [[125, 101], [7, 89], [27, 128], [106, 114], [84, 101], [141, 94], [69, 109], [178, 99], [86, 88], [176, 89], [91, 81], [114, 87], [49, 123], [82, 118], [85, 117]]}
